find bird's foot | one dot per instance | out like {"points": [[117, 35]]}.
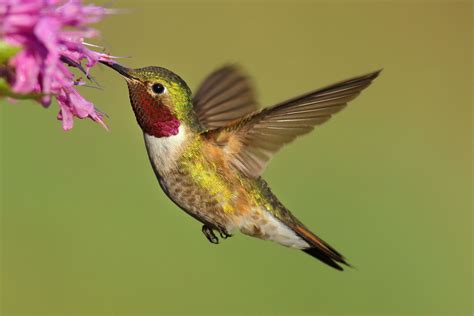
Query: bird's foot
{"points": [[209, 233], [224, 234]]}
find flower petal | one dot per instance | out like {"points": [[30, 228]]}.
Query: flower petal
{"points": [[47, 30]]}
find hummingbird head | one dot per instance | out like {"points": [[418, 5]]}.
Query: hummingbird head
{"points": [[160, 99]]}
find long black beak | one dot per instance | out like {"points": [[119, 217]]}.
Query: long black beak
{"points": [[124, 71]]}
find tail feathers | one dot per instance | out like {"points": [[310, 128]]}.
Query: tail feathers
{"points": [[322, 256], [320, 249]]}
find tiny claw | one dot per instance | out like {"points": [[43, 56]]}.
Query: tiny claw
{"points": [[209, 233], [224, 234]]}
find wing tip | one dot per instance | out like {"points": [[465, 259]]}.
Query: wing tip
{"points": [[368, 76], [375, 73]]}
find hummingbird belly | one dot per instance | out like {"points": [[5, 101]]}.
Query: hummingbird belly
{"points": [[194, 180], [219, 197], [210, 209], [241, 210]]}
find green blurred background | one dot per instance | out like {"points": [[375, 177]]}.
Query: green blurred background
{"points": [[86, 229]]}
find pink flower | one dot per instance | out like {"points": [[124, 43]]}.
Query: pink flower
{"points": [[51, 35]]}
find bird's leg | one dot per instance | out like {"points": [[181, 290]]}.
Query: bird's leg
{"points": [[209, 233]]}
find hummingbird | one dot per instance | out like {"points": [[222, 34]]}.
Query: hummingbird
{"points": [[209, 150]]}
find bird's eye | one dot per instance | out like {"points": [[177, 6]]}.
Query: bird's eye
{"points": [[158, 88]]}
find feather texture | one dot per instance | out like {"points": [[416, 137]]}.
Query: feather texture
{"points": [[263, 133], [224, 96]]}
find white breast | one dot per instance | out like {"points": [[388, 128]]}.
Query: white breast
{"points": [[165, 151]]}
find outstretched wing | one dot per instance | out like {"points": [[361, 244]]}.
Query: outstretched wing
{"points": [[224, 96], [255, 139]]}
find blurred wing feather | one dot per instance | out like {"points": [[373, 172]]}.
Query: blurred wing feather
{"points": [[225, 96]]}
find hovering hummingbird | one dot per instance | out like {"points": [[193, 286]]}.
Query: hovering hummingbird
{"points": [[209, 150]]}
